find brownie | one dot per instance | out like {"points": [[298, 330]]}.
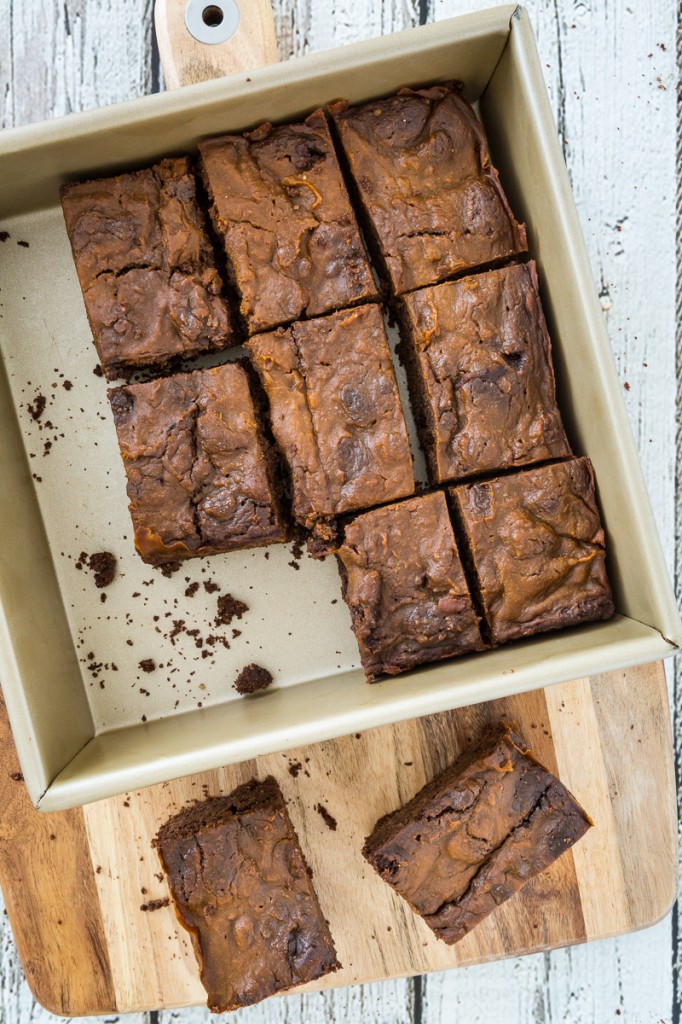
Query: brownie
{"points": [[480, 372], [201, 475], [242, 889], [291, 238], [536, 547], [146, 267], [476, 834], [336, 413], [433, 204], [405, 587]]}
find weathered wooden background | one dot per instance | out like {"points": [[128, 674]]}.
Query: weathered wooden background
{"points": [[612, 72]]}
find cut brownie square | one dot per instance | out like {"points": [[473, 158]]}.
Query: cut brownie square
{"points": [[281, 207], [476, 834], [242, 889], [433, 203], [480, 372], [336, 414], [405, 587], [145, 264], [201, 475], [536, 546]]}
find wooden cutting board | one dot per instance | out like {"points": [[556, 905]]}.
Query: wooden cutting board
{"points": [[75, 882]]}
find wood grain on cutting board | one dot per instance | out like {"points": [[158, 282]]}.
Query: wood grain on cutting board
{"points": [[76, 882]]}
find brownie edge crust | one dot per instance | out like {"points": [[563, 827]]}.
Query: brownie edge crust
{"points": [[242, 889], [475, 834]]}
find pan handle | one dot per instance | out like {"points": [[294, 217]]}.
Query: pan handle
{"points": [[203, 39]]}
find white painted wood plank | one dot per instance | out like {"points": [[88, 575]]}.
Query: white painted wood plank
{"points": [[57, 58]]}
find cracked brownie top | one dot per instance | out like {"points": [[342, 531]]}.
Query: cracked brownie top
{"points": [[405, 587], [290, 234], [536, 546], [146, 267], [336, 412], [200, 474], [481, 374], [476, 834], [433, 201], [243, 890]]}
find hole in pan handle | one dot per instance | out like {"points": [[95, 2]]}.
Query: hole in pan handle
{"points": [[212, 22], [204, 39]]}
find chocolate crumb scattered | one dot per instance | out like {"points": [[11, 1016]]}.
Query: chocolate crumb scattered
{"points": [[147, 665], [98, 371], [4, 235], [36, 408], [25, 245], [229, 608], [155, 904], [328, 819], [16, 776], [294, 565], [252, 678], [210, 587], [67, 385], [295, 768], [191, 590]]}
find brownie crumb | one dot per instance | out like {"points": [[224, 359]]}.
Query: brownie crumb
{"points": [[103, 565], [67, 385], [4, 235], [294, 565], [295, 768], [98, 371], [191, 590], [36, 408], [229, 608], [24, 244], [147, 665], [297, 549], [328, 819], [168, 568], [155, 904], [210, 587], [252, 678], [16, 776]]}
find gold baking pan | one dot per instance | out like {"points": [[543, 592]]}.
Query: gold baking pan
{"points": [[84, 729]]}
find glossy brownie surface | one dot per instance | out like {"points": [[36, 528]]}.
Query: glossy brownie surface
{"points": [[476, 834], [537, 547], [201, 477], [336, 412], [242, 889], [146, 267], [290, 234], [422, 169], [481, 374], [405, 587]]}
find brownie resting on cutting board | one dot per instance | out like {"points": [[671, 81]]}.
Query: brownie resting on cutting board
{"points": [[433, 204], [476, 834], [146, 268], [281, 208], [336, 414], [202, 477], [241, 887], [480, 372], [404, 585], [536, 549]]}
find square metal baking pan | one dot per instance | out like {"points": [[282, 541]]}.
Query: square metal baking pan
{"points": [[77, 721]]}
